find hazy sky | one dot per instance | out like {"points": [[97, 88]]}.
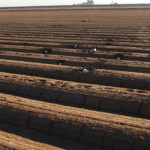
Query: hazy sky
{"points": [[6, 3]]}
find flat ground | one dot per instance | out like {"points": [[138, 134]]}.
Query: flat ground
{"points": [[48, 102]]}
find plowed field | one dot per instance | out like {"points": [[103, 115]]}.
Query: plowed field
{"points": [[55, 93]]}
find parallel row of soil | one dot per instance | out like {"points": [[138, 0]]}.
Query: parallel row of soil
{"points": [[76, 124], [56, 94], [97, 76], [135, 56], [73, 93]]}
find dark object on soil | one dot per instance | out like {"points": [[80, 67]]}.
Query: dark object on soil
{"points": [[118, 56], [87, 70], [110, 40], [61, 62], [84, 20], [26, 44], [75, 46], [46, 50]]}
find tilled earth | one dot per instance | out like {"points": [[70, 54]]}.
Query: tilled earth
{"points": [[57, 94]]}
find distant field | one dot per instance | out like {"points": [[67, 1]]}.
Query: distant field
{"points": [[48, 101], [78, 7]]}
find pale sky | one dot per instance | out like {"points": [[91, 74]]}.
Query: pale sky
{"points": [[10, 3]]}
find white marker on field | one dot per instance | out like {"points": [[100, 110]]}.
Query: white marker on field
{"points": [[60, 63], [93, 50], [46, 51], [75, 46], [85, 71], [118, 58]]}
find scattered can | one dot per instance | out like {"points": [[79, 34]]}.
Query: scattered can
{"points": [[85, 71], [75, 46], [61, 62], [92, 51], [46, 51], [118, 56]]}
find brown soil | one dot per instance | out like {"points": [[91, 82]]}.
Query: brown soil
{"points": [[11, 141], [106, 109], [79, 119], [132, 66], [97, 76]]}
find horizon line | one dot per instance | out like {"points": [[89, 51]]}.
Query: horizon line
{"points": [[73, 5]]}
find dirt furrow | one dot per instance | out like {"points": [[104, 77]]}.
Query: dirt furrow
{"points": [[100, 42], [77, 124], [10, 141], [56, 93], [76, 52], [72, 93], [59, 27], [107, 47], [74, 37], [95, 76], [122, 65], [98, 34], [84, 43]]}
